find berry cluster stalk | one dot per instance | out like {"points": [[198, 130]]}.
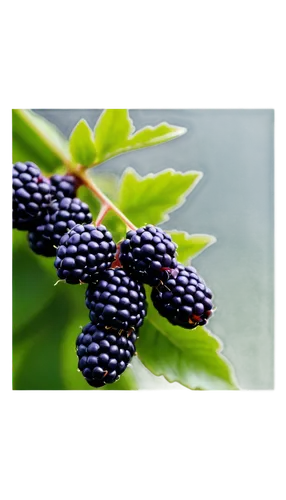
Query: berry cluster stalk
{"points": [[107, 204]]}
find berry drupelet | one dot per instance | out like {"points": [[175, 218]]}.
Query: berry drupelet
{"points": [[116, 301], [184, 300], [31, 195], [84, 252], [147, 254], [60, 216], [103, 355], [63, 186]]}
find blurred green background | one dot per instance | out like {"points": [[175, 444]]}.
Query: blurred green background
{"points": [[235, 151]]}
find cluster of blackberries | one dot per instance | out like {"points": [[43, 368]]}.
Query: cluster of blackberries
{"points": [[179, 294], [60, 225], [45, 207]]}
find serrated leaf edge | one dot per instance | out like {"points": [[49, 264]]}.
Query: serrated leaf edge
{"points": [[212, 238], [178, 132], [182, 198], [233, 384], [111, 155]]}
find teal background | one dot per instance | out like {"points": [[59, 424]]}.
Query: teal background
{"points": [[234, 202]]}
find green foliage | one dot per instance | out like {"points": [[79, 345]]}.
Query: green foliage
{"points": [[190, 357], [81, 144], [47, 319], [149, 199], [37, 140], [113, 134], [190, 245], [27, 287], [152, 136], [111, 131], [44, 337]]}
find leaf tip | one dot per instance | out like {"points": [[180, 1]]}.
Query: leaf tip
{"points": [[199, 174], [181, 131], [174, 128], [210, 239], [131, 169]]}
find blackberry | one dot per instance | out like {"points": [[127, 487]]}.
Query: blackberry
{"points": [[184, 300], [60, 216], [116, 301], [64, 186], [31, 194], [103, 356], [147, 253], [83, 253]]}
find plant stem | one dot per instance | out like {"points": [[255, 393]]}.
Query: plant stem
{"points": [[106, 202], [103, 211]]}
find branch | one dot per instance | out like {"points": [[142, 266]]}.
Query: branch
{"points": [[103, 211], [107, 204]]}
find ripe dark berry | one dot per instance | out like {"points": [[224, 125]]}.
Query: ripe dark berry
{"points": [[60, 216], [147, 254], [83, 252], [63, 186], [184, 300], [31, 194], [103, 355], [116, 301]]}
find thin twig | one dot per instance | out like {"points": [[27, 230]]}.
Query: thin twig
{"points": [[106, 202], [103, 211]]}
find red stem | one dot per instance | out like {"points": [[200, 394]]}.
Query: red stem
{"points": [[103, 211], [106, 202]]}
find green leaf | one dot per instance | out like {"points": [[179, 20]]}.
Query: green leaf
{"points": [[28, 296], [113, 134], [81, 144], [44, 354], [190, 245], [191, 357], [152, 136], [112, 130], [149, 199], [37, 362], [35, 139], [147, 379]]}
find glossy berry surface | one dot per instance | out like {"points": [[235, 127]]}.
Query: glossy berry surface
{"points": [[147, 254], [116, 301], [63, 186], [103, 355], [60, 217], [184, 300], [31, 195], [84, 252]]}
